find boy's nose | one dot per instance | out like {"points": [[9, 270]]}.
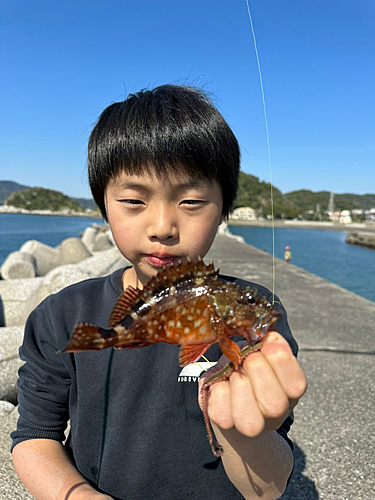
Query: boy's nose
{"points": [[164, 226]]}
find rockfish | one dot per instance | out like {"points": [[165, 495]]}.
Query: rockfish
{"points": [[186, 304]]}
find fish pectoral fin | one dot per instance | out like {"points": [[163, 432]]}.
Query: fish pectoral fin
{"points": [[86, 337], [191, 353], [231, 351]]}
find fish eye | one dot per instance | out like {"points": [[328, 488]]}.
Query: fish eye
{"points": [[249, 299]]}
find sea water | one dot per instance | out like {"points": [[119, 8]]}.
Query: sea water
{"points": [[15, 229], [322, 252]]}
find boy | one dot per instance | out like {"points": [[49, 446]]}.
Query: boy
{"points": [[163, 168]]}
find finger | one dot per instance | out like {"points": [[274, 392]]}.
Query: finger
{"points": [[290, 375], [247, 416], [219, 405], [269, 394]]}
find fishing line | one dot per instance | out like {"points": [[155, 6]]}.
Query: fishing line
{"points": [[268, 148]]}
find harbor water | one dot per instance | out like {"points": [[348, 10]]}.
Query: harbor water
{"points": [[322, 252], [15, 229]]}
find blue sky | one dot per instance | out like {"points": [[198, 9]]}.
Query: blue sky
{"points": [[64, 62]]}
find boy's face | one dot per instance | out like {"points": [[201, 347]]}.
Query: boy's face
{"points": [[156, 221]]}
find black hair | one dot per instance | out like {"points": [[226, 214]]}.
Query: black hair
{"points": [[171, 126]]}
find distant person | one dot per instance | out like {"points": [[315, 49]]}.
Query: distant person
{"points": [[163, 168], [287, 254]]}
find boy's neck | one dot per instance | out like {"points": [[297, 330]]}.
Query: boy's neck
{"points": [[130, 278]]}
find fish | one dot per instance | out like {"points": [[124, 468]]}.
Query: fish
{"points": [[187, 304]]}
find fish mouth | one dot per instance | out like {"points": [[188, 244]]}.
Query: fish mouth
{"points": [[266, 322], [161, 259]]}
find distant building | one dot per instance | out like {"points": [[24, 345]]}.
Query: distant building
{"points": [[309, 214], [345, 217], [370, 215], [244, 213]]}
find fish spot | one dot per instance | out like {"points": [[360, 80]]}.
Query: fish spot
{"points": [[150, 331], [184, 311], [203, 329], [156, 336], [198, 311], [160, 327], [190, 318], [178, 309], [168, 333], [155, 322], [173, 289], [134, 315], [187, 330], [199, 281], [149, 323], [163, 317], [179, 324], [197, 323], [171, 323]]}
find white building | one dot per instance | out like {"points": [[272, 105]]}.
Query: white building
{"points": [[345, 217], [244, 213]]}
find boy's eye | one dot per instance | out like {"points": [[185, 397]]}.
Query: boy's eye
{"points": [[132, 202], [192, 202]]}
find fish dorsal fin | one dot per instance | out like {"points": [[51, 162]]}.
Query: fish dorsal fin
{"points": [[174, 275], [166, 279], [123, 306]]}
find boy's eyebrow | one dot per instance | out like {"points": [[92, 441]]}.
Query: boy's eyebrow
{"points": [[191, 183]]}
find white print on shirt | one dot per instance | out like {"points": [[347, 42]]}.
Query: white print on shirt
{"points": [[192, 372]]}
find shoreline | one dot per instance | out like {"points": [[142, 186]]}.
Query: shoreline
{"points": [[23, 211], [289, 224]]}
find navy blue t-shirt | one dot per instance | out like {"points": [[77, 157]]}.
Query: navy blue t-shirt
{"points": [[136, 428]]}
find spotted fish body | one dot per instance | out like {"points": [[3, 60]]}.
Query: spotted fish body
{"points": [[187, 304]]}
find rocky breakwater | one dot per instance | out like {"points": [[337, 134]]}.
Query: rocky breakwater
{"points": [[363, 238], [28, 276]]}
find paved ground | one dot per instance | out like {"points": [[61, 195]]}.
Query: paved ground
{"points": [[334, 426]]}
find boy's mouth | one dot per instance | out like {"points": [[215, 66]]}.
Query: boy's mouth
{"points": [[161, 260]]}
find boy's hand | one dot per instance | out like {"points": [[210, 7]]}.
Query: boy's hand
{"points": [[262, 394]]}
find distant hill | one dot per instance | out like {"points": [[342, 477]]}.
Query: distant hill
{"points": [[9, 187], [251, 193], [85, 203], [42, 199], [257, 194]]}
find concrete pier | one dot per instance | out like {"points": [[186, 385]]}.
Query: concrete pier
{"points": [[365, 239], [334, 422]]}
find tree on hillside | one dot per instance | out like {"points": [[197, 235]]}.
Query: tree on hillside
{"points": [[42, 199]]}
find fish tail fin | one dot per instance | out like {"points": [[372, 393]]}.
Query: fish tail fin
{"points": [[86, 337]]}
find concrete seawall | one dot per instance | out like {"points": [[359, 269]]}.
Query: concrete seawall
{"points": [[334, 420], [362, 238]]}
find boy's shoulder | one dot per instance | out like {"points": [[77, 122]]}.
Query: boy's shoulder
{"points": [[92, 287], [88, 301]]}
